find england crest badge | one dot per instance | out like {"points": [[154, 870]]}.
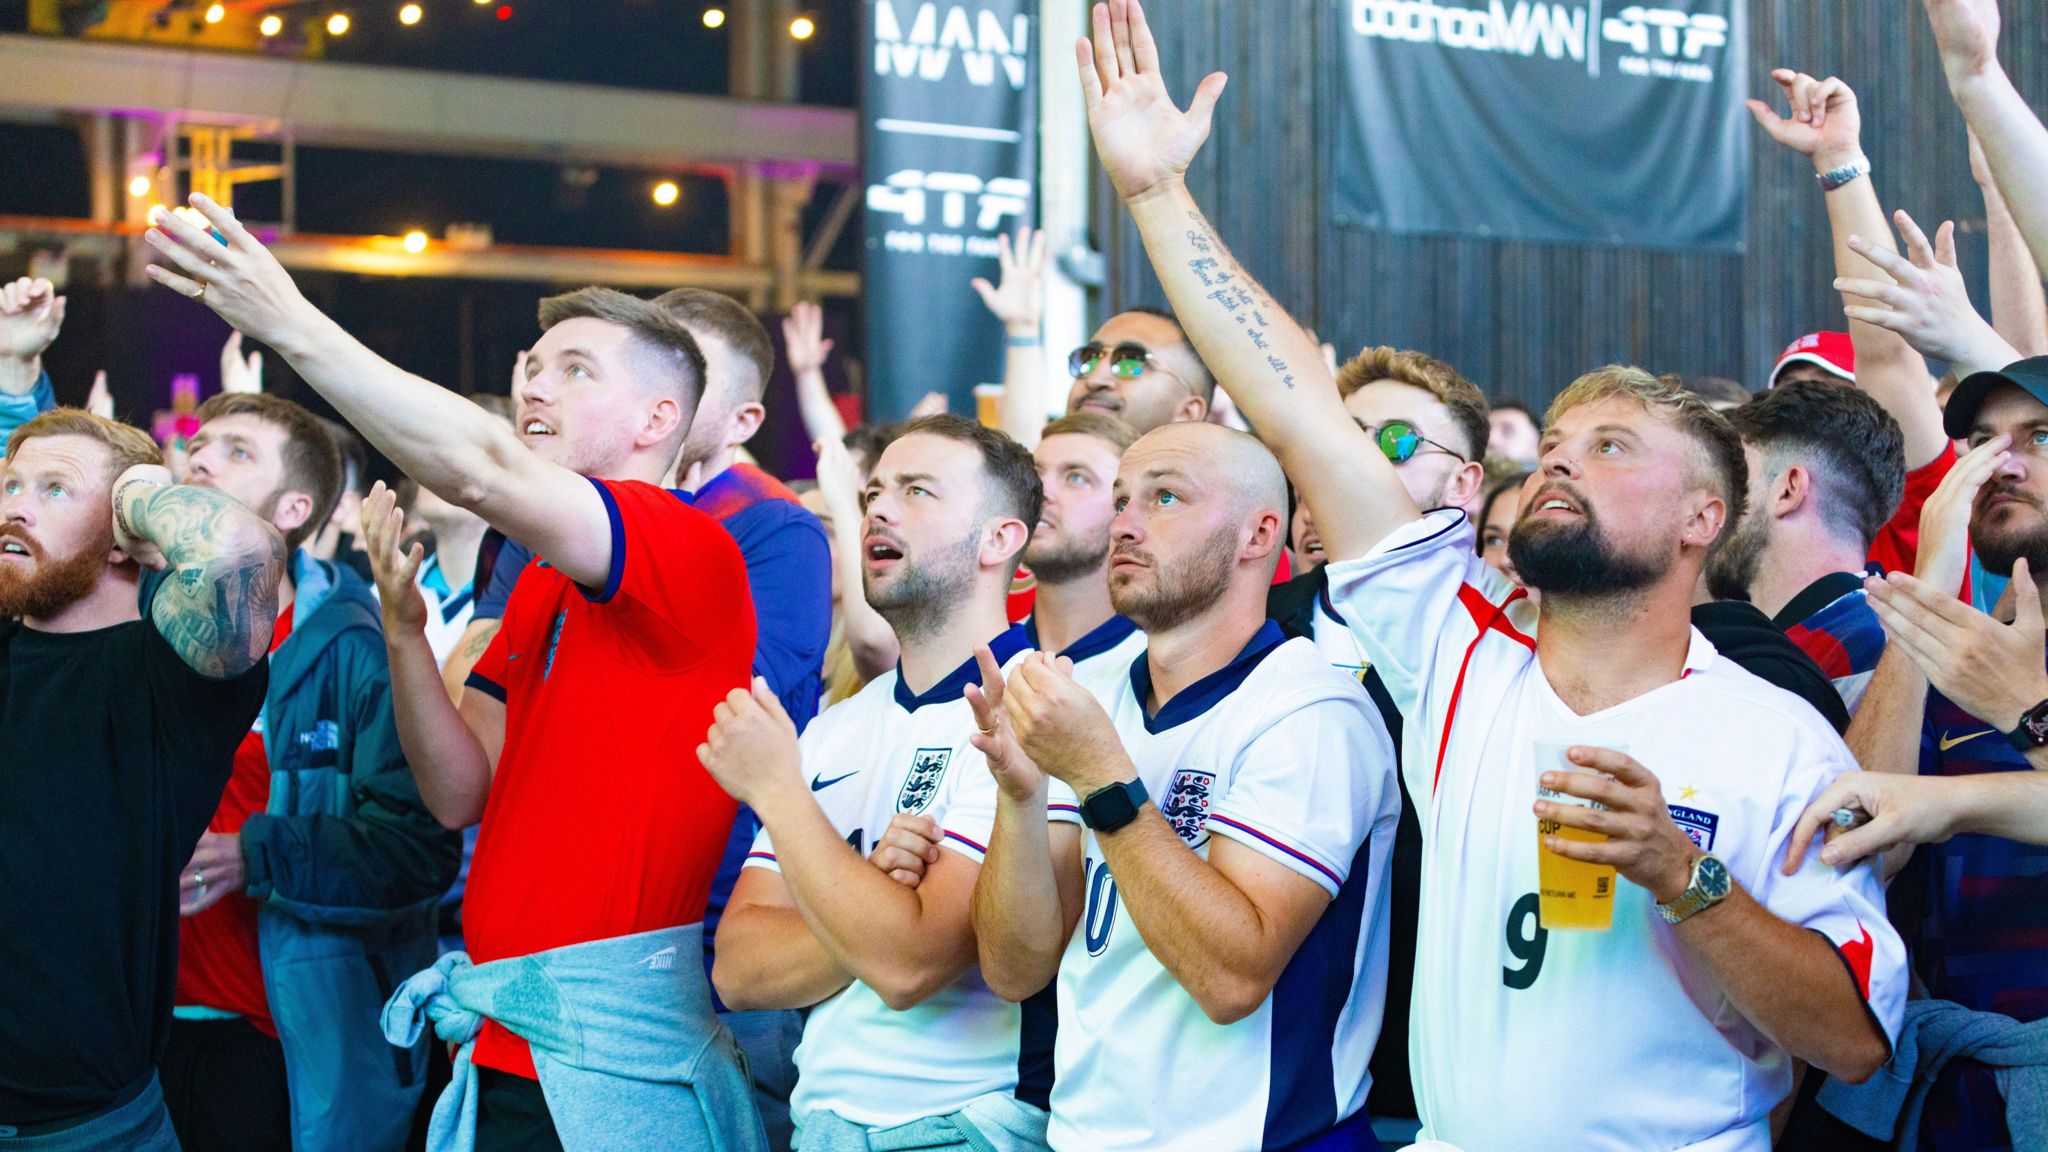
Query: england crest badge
{"points": [[1186, 804], [921, 787]]}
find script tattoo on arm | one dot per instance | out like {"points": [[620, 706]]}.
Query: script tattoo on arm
{"points": [[1238, 293], [219, 605]]}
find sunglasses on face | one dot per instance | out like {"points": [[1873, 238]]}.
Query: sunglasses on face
{"points": [[1126, 361], [1401, 443]]}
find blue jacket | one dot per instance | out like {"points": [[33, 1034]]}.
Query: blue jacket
{"points": [[18, 410], [345, 864]]}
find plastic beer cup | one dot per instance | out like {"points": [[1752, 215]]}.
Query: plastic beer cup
{"points": [[1571, 894]]}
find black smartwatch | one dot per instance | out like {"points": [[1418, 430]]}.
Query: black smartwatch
{"points": [[1108, 809], [2033, 730]]}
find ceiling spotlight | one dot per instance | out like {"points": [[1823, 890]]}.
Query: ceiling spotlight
{"points": [[666, 193], [216, 13], [140, 186], [337, 24], [415, 241], [409, 15], [803, 27], [271, 25], [714, 17]]}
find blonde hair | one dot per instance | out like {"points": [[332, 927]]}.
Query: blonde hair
{"points": [[126, 446], [1668, 397]]}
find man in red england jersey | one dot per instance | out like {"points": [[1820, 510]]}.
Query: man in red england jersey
{"points": [[601, 832]]}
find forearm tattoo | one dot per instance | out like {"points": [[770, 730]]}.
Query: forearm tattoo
{"points": [[1240, 295], [220, 601]]}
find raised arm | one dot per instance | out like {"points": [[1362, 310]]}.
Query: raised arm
{"points": [[868, 636], [449, 761], [1018, 300], [461, 452], [1266, 361], [904, 943], [805, 347], [2014, 140], [1826, 126], [1925, 302], [2019, 306], [219, 606]]}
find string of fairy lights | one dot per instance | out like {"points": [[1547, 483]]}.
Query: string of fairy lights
{"points": [[340, 21]]}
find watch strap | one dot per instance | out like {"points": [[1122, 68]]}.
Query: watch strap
{"points": [[1835, 178], [1111, 807], [2032, 731], [1694, 900]]}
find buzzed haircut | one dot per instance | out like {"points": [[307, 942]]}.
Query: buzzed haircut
{"points": [[1014, 487], [312, 460], [1668, 397], [667, 343], [706, 312], [1466, 403], [1205, 383], [1854, 449], [1115, 432], [126, 446]]}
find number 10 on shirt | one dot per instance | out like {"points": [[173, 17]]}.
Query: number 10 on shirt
{"points": [[1573, 893]]}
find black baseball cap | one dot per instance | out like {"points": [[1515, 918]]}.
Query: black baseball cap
{"points": [[2029, 376]]}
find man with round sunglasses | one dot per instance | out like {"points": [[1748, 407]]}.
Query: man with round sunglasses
{"points": [[1141, 369]]}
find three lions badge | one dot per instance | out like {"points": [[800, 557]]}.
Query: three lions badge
{"points": [[921, 787], [1186, 804]]}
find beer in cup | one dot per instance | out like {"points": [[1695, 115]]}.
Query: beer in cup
{"points": [[1571, 894]]}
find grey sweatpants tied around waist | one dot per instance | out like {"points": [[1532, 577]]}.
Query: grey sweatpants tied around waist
{"points": [[629, 1052], [997, 1122], [140, 1124]]}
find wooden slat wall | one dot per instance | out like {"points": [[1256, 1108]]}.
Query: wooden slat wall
{"points": [[1523, 319]]}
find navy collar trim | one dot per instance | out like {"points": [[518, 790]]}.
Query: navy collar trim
{"points": [[1106, 636], [1204, 694], [954, 686]]}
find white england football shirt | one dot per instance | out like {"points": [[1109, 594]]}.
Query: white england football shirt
{"points": [[1101, 658], [1286, 756], [879, 753], [1524, 1040]]}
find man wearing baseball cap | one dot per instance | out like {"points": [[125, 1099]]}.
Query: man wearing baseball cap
{"points": [[1816, 356]]}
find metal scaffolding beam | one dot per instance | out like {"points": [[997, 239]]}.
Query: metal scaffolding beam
{"points": [[408, 110]]}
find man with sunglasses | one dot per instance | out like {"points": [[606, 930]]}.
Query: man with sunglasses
{"points": [[1432, 424], [1141, 369]]}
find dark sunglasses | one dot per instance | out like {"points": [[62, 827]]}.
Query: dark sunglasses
{"points": [[1399, 440], [1127, 361]]}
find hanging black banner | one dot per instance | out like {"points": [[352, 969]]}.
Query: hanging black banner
{"points": [[950, 122], [1577, 121]]}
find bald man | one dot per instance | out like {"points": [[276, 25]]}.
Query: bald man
{"points": [[1141, 369], [1238, 802]]}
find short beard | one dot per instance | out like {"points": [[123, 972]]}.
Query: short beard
{"points": [[56, 584], [1732, 568], [1575, 560], [1067, 561], [1998, 548], [924, 596], [1180, 592]]}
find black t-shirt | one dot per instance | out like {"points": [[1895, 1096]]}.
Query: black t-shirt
{"points": [[113, 756]]}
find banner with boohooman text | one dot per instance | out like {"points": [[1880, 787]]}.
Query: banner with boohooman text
{"points": [[1567, 121], [949, 112]]}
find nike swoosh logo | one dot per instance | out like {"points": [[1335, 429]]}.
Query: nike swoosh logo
{"points": [[1947, 743], [821, 785]]}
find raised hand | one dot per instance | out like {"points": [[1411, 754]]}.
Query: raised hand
{"points": [[137, 544], [1945, 518], [1966, 32], [839, 481], [933, 404], [803, 338], [1144, 140], [996, 737], [237, 277], [393, 566], [751, 748], [240, 375], [31, 313], [99, 401], [1825, 123], [1902, 811], [1991, 670], [1061, 726], [1926, 301], [1018, 297]]}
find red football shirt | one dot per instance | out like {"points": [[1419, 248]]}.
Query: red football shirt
{"points": [[219, 965], [1897, 546], [601, 822]]}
